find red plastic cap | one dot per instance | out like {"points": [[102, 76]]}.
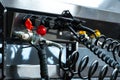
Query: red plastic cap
{"points": [[41, 30], [28, 24]]}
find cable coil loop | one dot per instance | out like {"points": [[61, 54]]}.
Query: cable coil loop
{"points": [[97, 51], [82, 66], [93, 68], [70, 62], [110, 44]]}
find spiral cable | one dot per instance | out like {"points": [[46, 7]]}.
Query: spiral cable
{"points": [[94, 48], [97, 51], [70, 63], [94, 65], [93, 68], [82, 66], [110, 44]]}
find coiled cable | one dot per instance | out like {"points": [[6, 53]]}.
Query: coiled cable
{"points": [[93, 68], [67, 68], [110, 44], [70, 63], [82, 65], [95, 49]]}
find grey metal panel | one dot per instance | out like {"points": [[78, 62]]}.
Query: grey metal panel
{"points": [[105, 10], [19, 67], [33, 72], [29, 71]]}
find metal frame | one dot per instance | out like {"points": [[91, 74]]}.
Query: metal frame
{"points": [[2, 49], [102, 12]]}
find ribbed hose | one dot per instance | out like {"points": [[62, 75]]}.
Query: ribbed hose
{"points": [[43, 62]]}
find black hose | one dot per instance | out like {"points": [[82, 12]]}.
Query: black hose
{"points": [[43, 61]]}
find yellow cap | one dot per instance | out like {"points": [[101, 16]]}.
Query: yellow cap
{"points": [[97, 33], [82, 32]]}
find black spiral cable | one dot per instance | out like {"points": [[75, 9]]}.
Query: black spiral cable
{"points": [[110, 44], [95, 49], [93, 68], [82, 65], [68, 66], [73, 59]]}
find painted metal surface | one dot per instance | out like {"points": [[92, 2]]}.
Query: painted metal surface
{"points": [[103, 10]]}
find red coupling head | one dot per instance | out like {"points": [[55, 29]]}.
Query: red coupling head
{"points": [[41, 30], [28, 24]]}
